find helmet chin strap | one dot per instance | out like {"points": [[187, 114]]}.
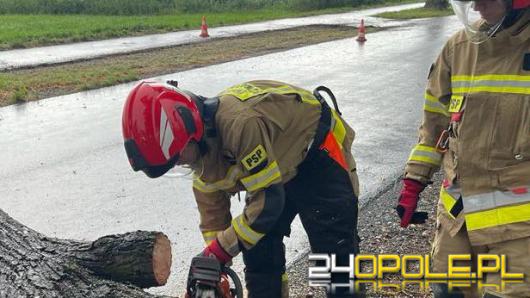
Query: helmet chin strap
{"points": [[496, 27], [490, 32]]}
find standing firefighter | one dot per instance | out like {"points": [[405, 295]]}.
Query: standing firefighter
{"points": [[477, 123], [281, 144]]}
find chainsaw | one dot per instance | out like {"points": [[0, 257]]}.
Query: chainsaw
{"points": [[209, 279]]}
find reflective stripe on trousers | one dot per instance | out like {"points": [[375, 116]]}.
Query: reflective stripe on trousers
{"points": [[451, 197], [497, 208]]}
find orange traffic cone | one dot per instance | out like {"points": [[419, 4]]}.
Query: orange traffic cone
{"points": [[361, 35], [204, 28]]}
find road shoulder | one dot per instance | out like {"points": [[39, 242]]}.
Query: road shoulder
{"points": [[21, 85]]}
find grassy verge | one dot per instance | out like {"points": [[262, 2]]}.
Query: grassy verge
{"points": [[416, 13], [32, 84], [21, 31]]}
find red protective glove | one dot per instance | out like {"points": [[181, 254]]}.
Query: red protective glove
{"points": [[215, 250], [408, 201]]}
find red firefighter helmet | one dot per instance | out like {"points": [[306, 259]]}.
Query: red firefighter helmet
{"points": [[158, 121], [513, 4]]}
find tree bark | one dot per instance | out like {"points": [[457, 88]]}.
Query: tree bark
{"points": [[32, 264], [437, 4]]}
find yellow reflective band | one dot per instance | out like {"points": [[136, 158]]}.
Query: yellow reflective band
{"points": [[248, 90], [209, 236], [433, 105], [243, 91], [232, 175], [263, 178], [491, 77], [245, 232], [339, 131], [447, 200], [285, 278], [499, 216], [517, 84], [456, 103], [492, 89], [426, 154]]}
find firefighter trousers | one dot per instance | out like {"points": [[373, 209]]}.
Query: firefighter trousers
{"points": [[322, 195], [518, 261]]}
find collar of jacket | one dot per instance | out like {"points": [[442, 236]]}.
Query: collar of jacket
{"points": [[208, 108], [509, 38], [520, 31]]}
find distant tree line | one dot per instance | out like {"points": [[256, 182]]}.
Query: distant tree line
{"points": [[148, 7]]}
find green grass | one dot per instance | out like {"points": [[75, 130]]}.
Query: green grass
{"points": [[31, 84], [22, 31], [416, 13]]}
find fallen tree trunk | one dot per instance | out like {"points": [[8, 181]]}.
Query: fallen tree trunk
{"points": [[32, 264]]}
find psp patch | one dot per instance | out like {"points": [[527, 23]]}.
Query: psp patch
{"points": [[455, 105], [256, 158]]}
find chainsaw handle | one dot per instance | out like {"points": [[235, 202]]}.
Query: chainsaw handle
{"points": [[208, 277], [237, 292], [204, 271]]}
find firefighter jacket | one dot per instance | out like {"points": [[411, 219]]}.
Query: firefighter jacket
{"points": [[478, 101], [263, 132]]}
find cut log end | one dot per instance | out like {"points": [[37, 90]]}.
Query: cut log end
{"points": [[141, 258], [161, 259]]}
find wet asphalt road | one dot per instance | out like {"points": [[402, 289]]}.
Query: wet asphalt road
{"points": [[65, 174], [78, 51]]}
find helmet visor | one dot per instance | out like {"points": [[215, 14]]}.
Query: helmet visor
{"points": [[139, 163], [476, 28]]}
